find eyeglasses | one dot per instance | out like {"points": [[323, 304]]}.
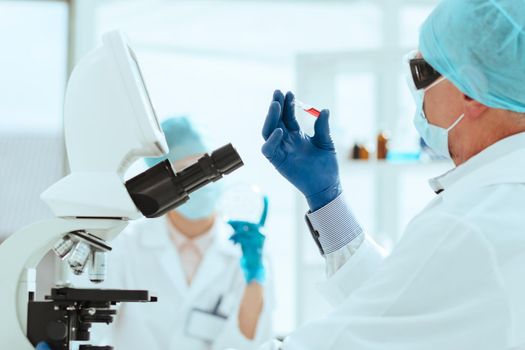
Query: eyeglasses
{"points": [[422, 73]]}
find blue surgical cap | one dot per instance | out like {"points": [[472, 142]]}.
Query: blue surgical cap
{"points": [[183, 140], [479, 45]]}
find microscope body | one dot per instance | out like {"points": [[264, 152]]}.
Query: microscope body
{"points": [[109, 123]]}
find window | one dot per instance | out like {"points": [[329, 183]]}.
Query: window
{"points": [[33, 64], [33, 68]]}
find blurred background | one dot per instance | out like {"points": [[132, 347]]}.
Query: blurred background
{"points": [[219, 62]]}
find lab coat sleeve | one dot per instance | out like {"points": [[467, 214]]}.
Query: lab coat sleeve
{"points": [[439, 289], [356, 266], [350, 257], [335, 260], [232, 338]]}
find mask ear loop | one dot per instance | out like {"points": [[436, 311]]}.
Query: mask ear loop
{"points": [[456, 122]]}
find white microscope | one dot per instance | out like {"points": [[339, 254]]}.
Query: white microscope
{"points": [[109, 123]]}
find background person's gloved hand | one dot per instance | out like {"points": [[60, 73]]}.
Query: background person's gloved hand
{"points": [[42, 346], [308, 162], [249, 237]]}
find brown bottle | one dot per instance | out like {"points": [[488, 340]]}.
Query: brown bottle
{"points": [[382, 145], [354, 152], [363, 152]]}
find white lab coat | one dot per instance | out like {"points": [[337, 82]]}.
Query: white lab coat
{"points": [[455, 281], [144, 257]]}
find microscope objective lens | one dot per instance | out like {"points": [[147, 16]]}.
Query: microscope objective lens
{"points": [[79, 257]]}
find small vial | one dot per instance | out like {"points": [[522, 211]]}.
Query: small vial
{"points": [[307, 108]]}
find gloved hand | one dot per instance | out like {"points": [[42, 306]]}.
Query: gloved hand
{"points": [[42, 346], [308, 162], [251, 240]]}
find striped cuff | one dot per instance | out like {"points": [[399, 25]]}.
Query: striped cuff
{"points": [[335, 224]]}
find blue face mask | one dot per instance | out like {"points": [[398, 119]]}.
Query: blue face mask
{"points": [[434, 136], [202, 203]]}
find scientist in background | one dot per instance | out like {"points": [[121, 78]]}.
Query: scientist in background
{"points": [[209, 296]]}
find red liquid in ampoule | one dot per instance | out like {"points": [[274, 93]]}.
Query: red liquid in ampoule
{"points": [[313, 112]]}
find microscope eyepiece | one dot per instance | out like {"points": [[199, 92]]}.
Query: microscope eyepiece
{"points": [[226, 159], [159, 189]]}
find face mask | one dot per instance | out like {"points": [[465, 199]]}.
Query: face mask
{"points": [[434, 136], [202, 203]]}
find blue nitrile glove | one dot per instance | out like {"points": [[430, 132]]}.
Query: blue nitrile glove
{"points": [[308, 162], [42, 346], [251, 240]]}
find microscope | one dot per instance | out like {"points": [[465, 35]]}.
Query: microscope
{"points": [[109, 122]]}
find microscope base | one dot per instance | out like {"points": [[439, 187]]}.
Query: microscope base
{"points": [[68, 313]]}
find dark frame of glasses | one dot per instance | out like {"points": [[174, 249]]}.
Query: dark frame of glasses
{"points": [[423, 73]]}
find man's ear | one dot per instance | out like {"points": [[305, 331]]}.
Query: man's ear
{"points": [[473, 108]]}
